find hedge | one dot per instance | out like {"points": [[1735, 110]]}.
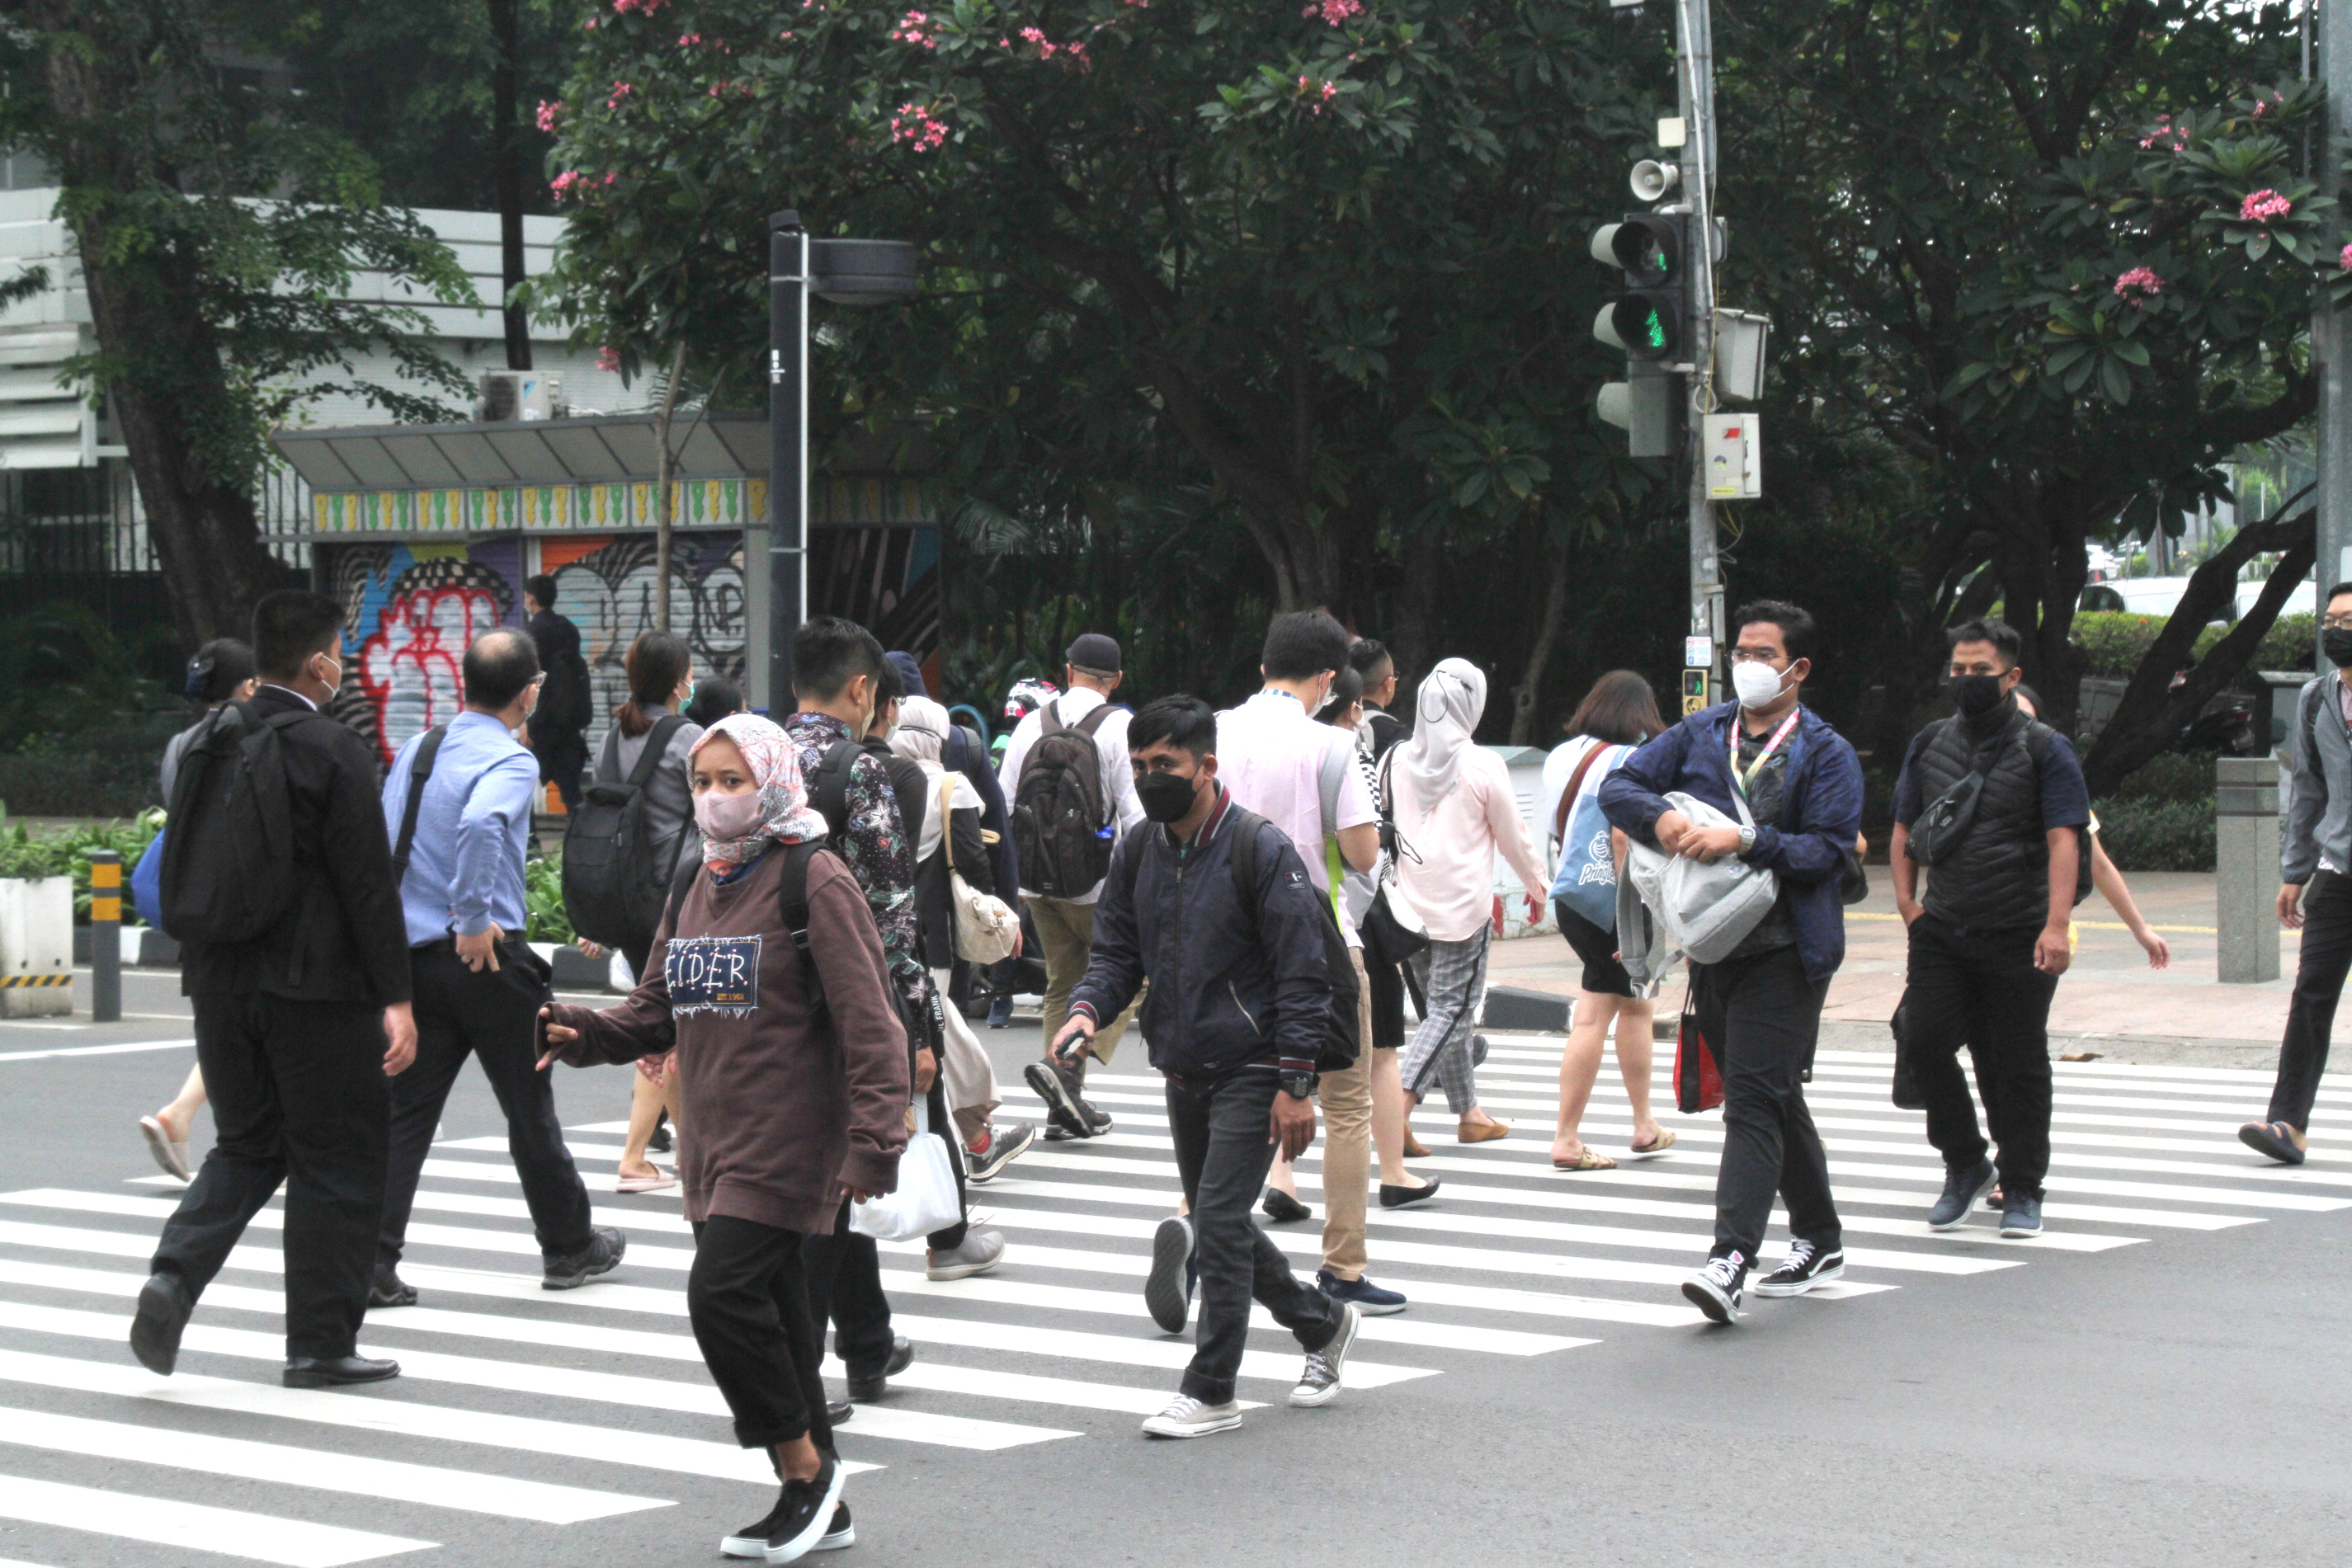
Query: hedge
{"points": [[2144, 834], [2115, 641]]}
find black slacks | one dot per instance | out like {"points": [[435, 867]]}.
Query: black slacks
{"points": [[1980, 989], [298, 1097], [493, 1018], [1766, 1016], [2318, 983], [1219, 1126], [844, 1289], [747, 1297]]}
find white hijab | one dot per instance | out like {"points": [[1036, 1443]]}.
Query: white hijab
{"points": [[921, 736], [1445, 717]]}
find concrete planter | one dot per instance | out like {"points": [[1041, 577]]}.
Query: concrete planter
{"points": [[36, 946]]}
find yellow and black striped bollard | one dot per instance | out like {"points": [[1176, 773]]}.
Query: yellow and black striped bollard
{"points": [[105, 936]]}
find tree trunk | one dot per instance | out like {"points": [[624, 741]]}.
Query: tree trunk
{"points": [[664, 465], [146, 306], [2154, 711], [1529, 693], [505, 177]]}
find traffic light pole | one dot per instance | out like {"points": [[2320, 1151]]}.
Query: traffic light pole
{"points": [[2331, 328], [787, 563], [1694, 81]]}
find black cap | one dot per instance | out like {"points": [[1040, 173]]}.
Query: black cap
{"points": [[908, 671], [1094, 651]]}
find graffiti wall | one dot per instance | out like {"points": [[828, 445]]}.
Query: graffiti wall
{"points": [[411, 608]]}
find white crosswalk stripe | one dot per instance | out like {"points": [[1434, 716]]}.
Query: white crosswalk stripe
{"points": [[1513, 1260]]}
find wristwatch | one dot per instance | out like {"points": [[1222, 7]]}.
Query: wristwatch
{"points": [[1746, 837], [1299, 1086]]}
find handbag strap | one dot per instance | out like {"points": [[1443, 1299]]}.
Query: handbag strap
{"points": [[947, 819], [1568, 795]]}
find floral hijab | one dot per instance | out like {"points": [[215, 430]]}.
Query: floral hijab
{"points": [[785, 815]]}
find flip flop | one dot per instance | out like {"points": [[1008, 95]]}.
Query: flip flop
{"points": [[1666, 1141], [1586, 1160], [171, 1156], [2272, 1139], [653, 1183]]}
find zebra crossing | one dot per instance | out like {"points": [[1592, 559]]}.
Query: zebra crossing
{"points": [[521, 1413]]}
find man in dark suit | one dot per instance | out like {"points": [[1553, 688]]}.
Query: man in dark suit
{"points": [[296, 1032], [559, 725]]}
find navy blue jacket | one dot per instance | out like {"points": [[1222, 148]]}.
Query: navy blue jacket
{"points": [[1821, 814], [1226, 991], [962, 753]]}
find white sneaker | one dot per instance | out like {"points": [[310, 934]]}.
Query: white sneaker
{"points": [[1188, 1417], [981, 1250], [1320, 1381]]}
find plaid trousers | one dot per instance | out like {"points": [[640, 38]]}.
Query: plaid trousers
{"points": [[1452, 980]]}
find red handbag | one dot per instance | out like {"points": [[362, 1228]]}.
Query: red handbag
{"points": [[1698, 1081]]}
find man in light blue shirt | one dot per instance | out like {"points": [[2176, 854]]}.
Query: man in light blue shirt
{"points": [[458, 808]]}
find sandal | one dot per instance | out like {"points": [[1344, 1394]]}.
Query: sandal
{"points": [[653, 1183], [2273, 1139], [1665, 1141], [171, 1156], [1586, 1160]]}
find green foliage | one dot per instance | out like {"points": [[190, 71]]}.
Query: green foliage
{"points": [[63, 671], [2178, 777], [24, 854], [2287, 645], [2114, 641], [2144, 834], [543, 890]]}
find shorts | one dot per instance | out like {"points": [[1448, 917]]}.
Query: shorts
{"points": [[1604, 975]]}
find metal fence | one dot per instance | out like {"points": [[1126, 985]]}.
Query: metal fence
{"points": [[68, 531]]}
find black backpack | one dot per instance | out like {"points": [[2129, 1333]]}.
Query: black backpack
{"points": [[1340, 1043], [613, 891], [1062, 825], [229, 873]]}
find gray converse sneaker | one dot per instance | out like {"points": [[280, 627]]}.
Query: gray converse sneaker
{"points": [[981, 1250], [1188, 1417], [1320, 1381]]}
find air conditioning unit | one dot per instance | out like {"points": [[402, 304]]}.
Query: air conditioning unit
{"points": [[520, 394]]}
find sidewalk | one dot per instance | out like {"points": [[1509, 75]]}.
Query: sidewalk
{"points": [[2110, 1002]]}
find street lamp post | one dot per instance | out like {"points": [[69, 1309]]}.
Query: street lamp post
{"points": [[852, 272]]}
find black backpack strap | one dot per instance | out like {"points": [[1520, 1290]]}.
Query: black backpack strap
{"points": [[792, 896], [1243, 856], [1093, 721], [829, 790], [657, 748], [420, 768], [1130, 859]]}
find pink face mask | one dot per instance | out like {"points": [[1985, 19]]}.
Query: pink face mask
{"points": [[727, 818]]}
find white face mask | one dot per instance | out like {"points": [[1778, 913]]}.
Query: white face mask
{"points": [[1758, 684]]}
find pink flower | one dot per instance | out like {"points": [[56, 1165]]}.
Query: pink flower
{"points": [[642, 7], [608, 359], [547, 107], [911, 30], [1334, 11], [2172, 138], [564, 184], [621, 90], [2345, 259], [2263, 205], [918, 128], [687, 40], [2141, 284]]}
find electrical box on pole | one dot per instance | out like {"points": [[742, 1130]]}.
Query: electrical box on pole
{"points": [[1731, 449]]}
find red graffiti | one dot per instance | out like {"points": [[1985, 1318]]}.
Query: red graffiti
{"points": [[410, 670]]}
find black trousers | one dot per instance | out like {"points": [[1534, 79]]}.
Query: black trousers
{"points": [[298, 1097], [1766, 1017], [1980, 989], [844, 1289], [1219, 1126], [562, 761], [2318, 983], [747, 1297], [493, 1018]]}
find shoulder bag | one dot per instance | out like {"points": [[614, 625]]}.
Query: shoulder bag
{"points": [[985, 929]]}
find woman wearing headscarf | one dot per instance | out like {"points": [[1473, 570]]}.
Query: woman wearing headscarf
{"points": [[794, 1107], [1453, 809], [951, 831]]}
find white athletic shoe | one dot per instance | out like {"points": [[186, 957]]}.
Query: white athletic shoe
{"points": [[1188, 1417]]}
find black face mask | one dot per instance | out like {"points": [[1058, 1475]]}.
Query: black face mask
{"points": [[2335, 642], [1165, 797], [1976, 695]]}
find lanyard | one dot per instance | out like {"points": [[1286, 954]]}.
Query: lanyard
{"points": [[1739, 780]]}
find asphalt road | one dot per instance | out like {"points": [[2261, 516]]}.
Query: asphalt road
{"points": [[2175, 1391]]}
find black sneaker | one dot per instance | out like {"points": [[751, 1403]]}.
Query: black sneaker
{"points": [[1961, 1190], [839, 1533], [1805, 1267], [573, 1270], [1097, 1123], [662, 1141], [1065, 1108], [1716, 1288], [164, 1306], [1168, 1289], [1284, 1210], [389, 1289], [805, 1515], [750, 1542]]}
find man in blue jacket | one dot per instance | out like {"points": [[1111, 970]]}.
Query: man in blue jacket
{"points": [[1761, 1007], [1236, 1017]]}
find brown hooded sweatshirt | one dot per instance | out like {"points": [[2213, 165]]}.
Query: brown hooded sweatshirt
{"points": [[775, 1115]]}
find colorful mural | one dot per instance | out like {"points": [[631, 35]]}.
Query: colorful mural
{"points": [[411, 608], [536, 508]]}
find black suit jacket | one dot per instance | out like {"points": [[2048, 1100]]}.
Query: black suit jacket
{"points": [[345, 939]]}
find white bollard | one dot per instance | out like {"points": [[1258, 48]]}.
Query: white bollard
{"points": [[36, 946], [2246, 868]]}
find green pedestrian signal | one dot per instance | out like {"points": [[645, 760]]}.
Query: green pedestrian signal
{"points": [[1646, 322]]}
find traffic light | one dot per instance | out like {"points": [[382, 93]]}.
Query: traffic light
{"points": [[1645, 321]]}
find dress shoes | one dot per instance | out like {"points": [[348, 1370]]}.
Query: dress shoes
{"points": [[334, 1371], [164, 1304]]}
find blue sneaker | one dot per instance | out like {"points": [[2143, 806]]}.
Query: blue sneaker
{"points": [[1961, 1190], [1361, 1293], [1000, 1013], [2021, 1216]]}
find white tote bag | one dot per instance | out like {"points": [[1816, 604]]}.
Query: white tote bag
{"points": [[986, 929], [926, 1198]]}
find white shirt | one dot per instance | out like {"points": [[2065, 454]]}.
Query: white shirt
{"points": [[1558, 769], [1110, 741], [1271, 755]]}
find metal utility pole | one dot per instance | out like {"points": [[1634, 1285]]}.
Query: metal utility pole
{"points": [[788, 275], [1695, 74], [2331, 332]]}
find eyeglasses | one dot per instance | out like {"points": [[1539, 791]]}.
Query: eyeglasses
{"points": [[1755, 656], [2338, 622]]}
